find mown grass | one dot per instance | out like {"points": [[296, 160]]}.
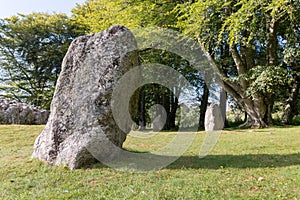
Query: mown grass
{"points": [[245, 164]]}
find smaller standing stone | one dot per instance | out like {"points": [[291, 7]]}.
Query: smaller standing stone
{"points": [[13, 112], [158, 123], [213, 118]]}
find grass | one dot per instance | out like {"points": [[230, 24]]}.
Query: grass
{"points": [[245, 164]]}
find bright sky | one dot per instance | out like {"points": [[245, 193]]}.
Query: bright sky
{"points": [[12, 7]]}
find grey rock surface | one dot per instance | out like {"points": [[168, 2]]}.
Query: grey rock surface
{"points": [[13, 112], [158, 123], [81, 117], [213, 118]]}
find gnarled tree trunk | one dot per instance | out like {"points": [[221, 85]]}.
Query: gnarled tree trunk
{"points": [[258, 108]]}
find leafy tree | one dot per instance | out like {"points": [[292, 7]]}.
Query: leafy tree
{"points": [[32, 48], [157, 94], [97, 15], [243, 38]]}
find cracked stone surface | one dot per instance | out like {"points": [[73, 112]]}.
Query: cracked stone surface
{"points": [[81, 115]]}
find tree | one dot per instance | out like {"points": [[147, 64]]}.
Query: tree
{"points": [[157, 94], [96, 15], [290, 44], [243, 38], [32, 48]]}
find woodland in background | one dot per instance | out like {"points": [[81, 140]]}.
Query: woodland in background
{"points": [[254, 43]]}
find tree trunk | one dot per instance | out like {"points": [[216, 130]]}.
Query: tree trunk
{"points": [[203, 107], [245, 117], [269, 102], [256, 108], [174, 106], [142, 110], [291, 104], [272, 58], [256, 111], [223, 104], [166, 104], [259, 108]]}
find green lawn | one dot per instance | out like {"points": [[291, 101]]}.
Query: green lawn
{"points": [[245, 164]]}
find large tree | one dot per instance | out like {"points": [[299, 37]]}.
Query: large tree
{"points": [[244, 39], [97, 15], [32, 48]]}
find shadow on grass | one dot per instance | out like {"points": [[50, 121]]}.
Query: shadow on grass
{"points": [[228, 161], [238, 129], [237, 161]]}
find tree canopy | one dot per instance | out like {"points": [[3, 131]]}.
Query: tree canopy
{"points": [[248, 40], [31, 50], [254, 43]]}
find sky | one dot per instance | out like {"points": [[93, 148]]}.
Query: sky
{"points": [[12, 7]]}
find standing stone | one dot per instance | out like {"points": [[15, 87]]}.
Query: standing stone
{"points": [[40, 117], [26, 115], [81, 116], [13, 112], [213, 118], [214, 123], [158, 123]]}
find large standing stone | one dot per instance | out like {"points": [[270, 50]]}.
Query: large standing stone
{"points": [[81, 117]]}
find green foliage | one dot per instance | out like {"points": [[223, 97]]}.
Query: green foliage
{"points": [[235, 117], [266, 79], [95, 16], [32, 48], [245, 22], [98, 15], [296, 120], [250, 15], [248, 40]]}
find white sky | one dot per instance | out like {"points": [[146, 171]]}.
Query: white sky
{"points": [[12, 7]]}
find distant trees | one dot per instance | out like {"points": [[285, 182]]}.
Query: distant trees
{"points": [[32, 48], [254, 43], [96, 15], [157, 94]]}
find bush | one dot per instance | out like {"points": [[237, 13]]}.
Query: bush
{"points": [[296, 120]]}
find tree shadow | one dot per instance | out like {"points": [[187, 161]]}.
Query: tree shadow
{"points": [[226, 161], [237, 161], [282, 126]]}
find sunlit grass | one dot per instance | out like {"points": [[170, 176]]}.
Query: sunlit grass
{"points": [[245, 164]]}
